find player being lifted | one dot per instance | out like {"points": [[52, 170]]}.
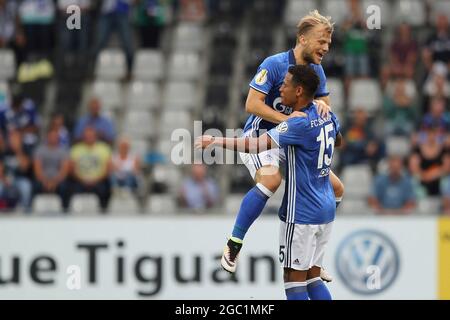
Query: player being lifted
{"points": [[308, 208], [267, 110]]}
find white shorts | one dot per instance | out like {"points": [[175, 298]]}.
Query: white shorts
{"points": [[302, 246], [273, 157]]}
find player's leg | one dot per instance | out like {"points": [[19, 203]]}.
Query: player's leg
{"points": [[296, 253], [317, 290], [265, 171]]}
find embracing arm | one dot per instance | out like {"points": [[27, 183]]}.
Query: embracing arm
{"points": [[247, 145]]}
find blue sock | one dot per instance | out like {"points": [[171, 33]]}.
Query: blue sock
{"points": [[338, 201], [317, 290], [296, 291], [251, 207]]}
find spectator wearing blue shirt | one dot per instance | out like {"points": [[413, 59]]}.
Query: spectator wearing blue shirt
{"points": [[104, 126], [199, 192], [445, 186], [393, 193], [114, 14]]}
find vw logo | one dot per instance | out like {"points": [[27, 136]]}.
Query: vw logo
{"points": [[362, 252]]}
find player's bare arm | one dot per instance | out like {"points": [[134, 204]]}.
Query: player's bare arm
{"points": [[247, 145], [255, 105]]}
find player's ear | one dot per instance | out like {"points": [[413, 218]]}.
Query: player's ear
{"points": [[299, 91], [302, 40]]}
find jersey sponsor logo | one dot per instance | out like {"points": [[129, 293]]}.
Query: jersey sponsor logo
{"points": [[366, 250], [261, 77], [282, 127], [278, 106]]}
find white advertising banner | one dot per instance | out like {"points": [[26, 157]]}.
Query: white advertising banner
{"points": [[179, 258]]}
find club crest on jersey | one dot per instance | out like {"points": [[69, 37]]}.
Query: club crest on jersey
{"points": [[261, 77], [282, 127]]}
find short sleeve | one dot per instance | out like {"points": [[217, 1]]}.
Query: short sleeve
{"points": [[337, 124], [322, 90], [265, 77], [290, 132]]}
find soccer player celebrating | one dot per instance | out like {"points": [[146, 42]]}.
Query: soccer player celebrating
{"points": [[267, 110], [308, 208]]}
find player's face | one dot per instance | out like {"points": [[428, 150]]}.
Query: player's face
{"points": [[288, 92], [316, 44]]}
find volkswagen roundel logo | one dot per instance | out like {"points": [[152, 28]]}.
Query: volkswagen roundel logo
{"points": [[367, 262]]}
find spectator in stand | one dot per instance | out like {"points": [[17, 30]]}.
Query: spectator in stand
{"points": [[198, 192], [426, 161], [11, 33], [57, 122], [399, 107], [150, 17], [355, 44], [18, 166], [437, 48], [21, 116], [360, 144], [393, 193], [37, 18], [192, 10], [114, 14], [103, 125], [445, 186], [437, 116], [126, 168], [437, 84], [9, 195], [51, 168], [403, 54], [91, 167]]}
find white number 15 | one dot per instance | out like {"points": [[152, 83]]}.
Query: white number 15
{"points": [[325, 142]]}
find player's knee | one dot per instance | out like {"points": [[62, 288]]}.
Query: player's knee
{"points": [[271, 182]]}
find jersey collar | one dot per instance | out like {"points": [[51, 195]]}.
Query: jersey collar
{"points": [[292, 58]]}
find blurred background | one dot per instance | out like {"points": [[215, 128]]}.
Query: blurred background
{"points": [[86, 115]]}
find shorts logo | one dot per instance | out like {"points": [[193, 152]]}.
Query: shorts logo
{"points": [[261, 77], [282, 127], [296, 261], [362, 250]]}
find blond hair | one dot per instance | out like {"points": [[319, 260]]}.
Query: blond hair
{"points": [[312, 19]]}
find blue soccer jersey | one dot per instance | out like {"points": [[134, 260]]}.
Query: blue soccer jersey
{"points": [[268, 80], [308, 143]]}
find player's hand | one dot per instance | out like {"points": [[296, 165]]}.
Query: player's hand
{"points": [[297, 114], [203, 142], [323, 109]]}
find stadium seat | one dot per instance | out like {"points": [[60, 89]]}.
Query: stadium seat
{"points": [[410, 11], [398, 146], [357, 207], [295, 9], [337, 9], [429, 206], [4, 92], [7, 64], [109, 93], [180, 96], [440, 7], [357, 180], [171, 120], [335, 87], [46, 204], [167, 174], [143, 95], [161, 204], [365, 94], [139, 124], [111, 65], [123, 204], [188, 37], [84, 205], [184, 66], [148, 65], [233, 203], [139, 147]]}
